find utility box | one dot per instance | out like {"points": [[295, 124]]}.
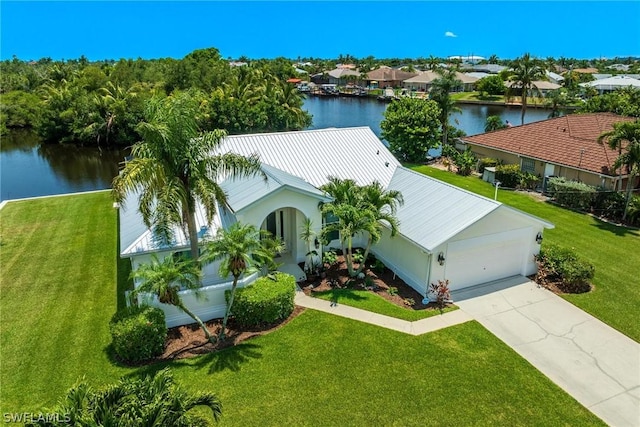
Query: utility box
{"points": [[489, 174]]}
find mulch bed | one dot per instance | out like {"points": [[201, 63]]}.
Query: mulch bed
{"points": [[189, 340]]}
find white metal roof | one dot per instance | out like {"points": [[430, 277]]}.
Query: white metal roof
{"points": [[244, 192], [314, 155], [613, 83], [435, 211]]}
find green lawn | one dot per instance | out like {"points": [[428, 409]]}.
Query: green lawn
{"points": [[58, 293], [615, 251], [371, 302]]}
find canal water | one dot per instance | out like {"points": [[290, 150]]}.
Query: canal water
{"points": [[29, 169]]}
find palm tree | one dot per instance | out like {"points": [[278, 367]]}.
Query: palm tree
{"points": [[148, 401], [239, 248], [173, 168], [625, 137], [441, 93], [165, 279], [525, 71], [494, 123], [558, 100], [384, 204]]}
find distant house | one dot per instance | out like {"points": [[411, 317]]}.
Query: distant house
{"points": [[423, 81], [543, 86], [337, 76], [488, 68], [613, 83], [565, 146], [445, 232], [387, 77]]}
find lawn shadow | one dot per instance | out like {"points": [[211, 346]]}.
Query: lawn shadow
{"points": [[336, 295], [230, 358], [123, 266], [618, 230]]}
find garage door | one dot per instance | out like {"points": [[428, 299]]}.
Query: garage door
{"points": [[483, 259]]}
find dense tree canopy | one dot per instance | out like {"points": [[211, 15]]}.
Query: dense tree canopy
{"points": [[412, 127], [625, 102], [493, 85]]}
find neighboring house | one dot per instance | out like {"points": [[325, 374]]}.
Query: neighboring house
{"points": [[488, 68], [337, 76], [554, 77], [543, 86], [387, 77], [445, 232], [423, 81], [565, 146], [613, 83]]}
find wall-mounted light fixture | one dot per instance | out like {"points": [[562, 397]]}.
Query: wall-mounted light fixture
{"points": [[539, 238], [441, 258]]}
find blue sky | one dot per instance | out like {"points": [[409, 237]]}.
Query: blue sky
{"points": [[264, 29]]}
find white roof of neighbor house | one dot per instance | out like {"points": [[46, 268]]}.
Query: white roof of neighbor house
{"points": [[244, 192], [613, 83], [554, 76], [434, 211], [540, 84], [314, 155]]}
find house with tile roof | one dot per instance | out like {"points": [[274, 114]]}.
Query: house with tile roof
{"points": [[387, 77], [565, 146], [424, 80], [445, 232]]}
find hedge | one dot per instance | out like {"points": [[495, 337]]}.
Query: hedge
{"points": [[566, 264], [508, 175], [265, 301], [487, 162], [572, 194], [138, 333]]}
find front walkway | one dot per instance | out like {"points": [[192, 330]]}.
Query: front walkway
{"points": [[594, 363], [418, 327]]}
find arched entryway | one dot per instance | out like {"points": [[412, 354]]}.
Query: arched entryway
{"points": [[284, 223]]}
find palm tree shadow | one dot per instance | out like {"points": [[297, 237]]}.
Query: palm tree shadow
{"points": [[618, 230], [231, 358]]}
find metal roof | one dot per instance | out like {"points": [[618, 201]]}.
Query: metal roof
{"points": [[314, 155], [435, 211], [613, 83], [244, 192]]}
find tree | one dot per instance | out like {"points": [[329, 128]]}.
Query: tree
{"points": [[493, 85], [558, 100], [625, 137], [166, 278], [441, 93], [525, 72], [494, 123], [173, 168], [625, 102], [147, 401], [240, 250], [411, 126]]}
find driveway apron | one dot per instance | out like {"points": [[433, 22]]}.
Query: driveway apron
{"points": [[594, 363]]}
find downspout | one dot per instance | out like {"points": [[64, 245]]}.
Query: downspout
{"points": [[426, 291]]}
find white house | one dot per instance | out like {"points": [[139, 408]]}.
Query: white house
{"points": [[445, 232]]}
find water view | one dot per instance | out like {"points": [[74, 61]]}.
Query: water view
{"points": [[30, 169]]}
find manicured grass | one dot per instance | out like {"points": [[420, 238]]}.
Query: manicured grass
{"points": [[59, 291], [612, 249], [371, 302]]}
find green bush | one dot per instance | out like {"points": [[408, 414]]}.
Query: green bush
{"points": [[609, 204], [138, 333], [265, 301], [572, 194], [508, 175], [566, 264], [528, 181], [633, 214], [487, 162]]}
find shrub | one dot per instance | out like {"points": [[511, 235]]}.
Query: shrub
{"points": [[573, 194], [138, 333], [563, 263], [378, 266], [357, 256], [609, 204], [508, 175], [441, 292], [392, 290], [265, 301], [487, 162], [633, 213], [528, 181], [329, 258]]}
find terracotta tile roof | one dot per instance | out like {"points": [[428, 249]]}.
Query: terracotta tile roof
{"points": [[559, 141], [385, 73]]}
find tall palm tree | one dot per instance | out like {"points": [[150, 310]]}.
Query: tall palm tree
{"points": [[625, 137], [173, 168], [165, 279], [441, 89], [525, 71], [148, 401], [240, 249]]}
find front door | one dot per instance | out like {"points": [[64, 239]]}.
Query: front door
{"points": [[278, 224]]}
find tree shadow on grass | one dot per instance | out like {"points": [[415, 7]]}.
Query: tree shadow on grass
{"points": [[337, 295], [231, 358], [123, 266], [618, 230]]}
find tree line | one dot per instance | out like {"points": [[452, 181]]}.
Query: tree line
{"points": [[102, 103]]}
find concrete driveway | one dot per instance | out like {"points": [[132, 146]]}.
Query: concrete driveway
{"points": [[594, 363]]}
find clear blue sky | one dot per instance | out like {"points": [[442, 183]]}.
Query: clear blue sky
{"points": [[113, 30]]}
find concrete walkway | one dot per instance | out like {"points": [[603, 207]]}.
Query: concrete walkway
{"points": [[594, 363], [418, 327]]}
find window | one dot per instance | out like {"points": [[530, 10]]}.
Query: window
{"points": [[528, 165], [329, 219]]}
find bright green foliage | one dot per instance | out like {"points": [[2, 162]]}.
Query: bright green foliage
{"points": [[19, 109], [138, 333], [265, 301], [493, 85], [508, 175], [147, 401], [567, 264], [440, 92], [494, 123], [242, 252], [625, 102], [573, 194], [173, 169], [525, 72], [411, 126], [464, 161], [487, 162], [558, 100]]}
